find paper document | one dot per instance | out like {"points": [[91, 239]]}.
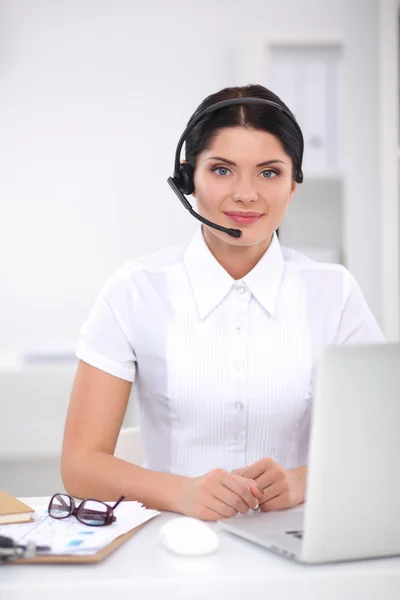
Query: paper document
{"points": [[69, 536]]}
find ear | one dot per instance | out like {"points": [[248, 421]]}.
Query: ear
{"points": [[194, 191], [292, 190]]}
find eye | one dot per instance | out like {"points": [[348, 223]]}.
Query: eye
{"points": [[268, 173], [220, 170]]}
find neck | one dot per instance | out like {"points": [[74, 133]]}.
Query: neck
{"points": [[236, 260]]}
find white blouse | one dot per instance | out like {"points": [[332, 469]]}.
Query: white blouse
{"points": [[224, 369]]}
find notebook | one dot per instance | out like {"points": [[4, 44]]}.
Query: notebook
{"points": [[13, 510]]}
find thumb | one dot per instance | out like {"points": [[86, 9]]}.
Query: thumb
{"points": [[237, 471], [255, 490]]}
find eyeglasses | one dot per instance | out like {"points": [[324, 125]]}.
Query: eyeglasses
{"points": [[89, 512]]}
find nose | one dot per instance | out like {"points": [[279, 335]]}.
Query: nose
{"points": [[245, 192]]}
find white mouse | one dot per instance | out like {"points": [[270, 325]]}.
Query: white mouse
{"points": [[189, 537]]}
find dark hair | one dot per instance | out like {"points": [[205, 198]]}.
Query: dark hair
{"points": [[256, 116]]}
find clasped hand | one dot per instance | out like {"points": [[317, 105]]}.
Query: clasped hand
{"points": [[281, 488], [220, 494]]}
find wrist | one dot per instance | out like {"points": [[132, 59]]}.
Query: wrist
{"points": [[177, 493], [300, 477], [163, 491]]}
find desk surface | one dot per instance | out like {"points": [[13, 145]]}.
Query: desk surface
{"points": [[144, 569]]}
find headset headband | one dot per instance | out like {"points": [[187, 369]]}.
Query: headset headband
{"points": [[229, 102]]}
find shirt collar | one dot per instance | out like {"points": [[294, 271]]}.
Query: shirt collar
{"points": [[211, 283]]}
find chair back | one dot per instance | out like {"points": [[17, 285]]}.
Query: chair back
{"points": [[129, 445]]}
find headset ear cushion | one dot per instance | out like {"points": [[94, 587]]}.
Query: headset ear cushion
{"points": [[299, 176], [186, 179]]}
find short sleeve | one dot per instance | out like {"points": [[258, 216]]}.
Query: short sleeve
{"points": [[104, 340], [357, 324]]}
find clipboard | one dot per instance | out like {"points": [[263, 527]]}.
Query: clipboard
{"points": [[71, 559]]}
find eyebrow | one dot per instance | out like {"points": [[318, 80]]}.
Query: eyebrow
{"points": [[262, 164]]}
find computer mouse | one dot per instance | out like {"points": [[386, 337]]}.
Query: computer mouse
{"points": [[189, 537]]}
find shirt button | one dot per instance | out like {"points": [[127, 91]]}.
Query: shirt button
{"points": [[238, 440], [239, 406], [239, 327], [239, 364], [241, 291]]}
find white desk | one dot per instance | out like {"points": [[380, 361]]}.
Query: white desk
{"points": [[143, 569]]}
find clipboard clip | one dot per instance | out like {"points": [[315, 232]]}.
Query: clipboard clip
{"points": [[11, 550]]}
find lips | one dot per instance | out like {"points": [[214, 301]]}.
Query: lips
{"points": [[243, 217]]}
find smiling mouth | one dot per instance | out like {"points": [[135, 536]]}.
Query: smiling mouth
{"points": [[243, 217]]}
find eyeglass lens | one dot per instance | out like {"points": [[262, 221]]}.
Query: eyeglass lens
{"points": [[92, 512], [60, 506]]}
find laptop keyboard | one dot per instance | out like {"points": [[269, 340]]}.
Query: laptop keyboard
{"points": [[297, 534]]}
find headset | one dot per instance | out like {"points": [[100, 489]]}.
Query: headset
{"points": [[182, 181]]}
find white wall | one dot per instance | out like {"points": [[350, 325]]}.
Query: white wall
{"points": [[93, 97], [369, 146]]}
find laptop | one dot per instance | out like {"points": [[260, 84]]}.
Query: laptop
{"points": [[352, 508]]}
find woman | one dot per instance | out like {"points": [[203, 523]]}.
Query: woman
{"points": [[221, 337]]}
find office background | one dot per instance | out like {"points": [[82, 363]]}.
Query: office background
{"points": [[93, 97]]}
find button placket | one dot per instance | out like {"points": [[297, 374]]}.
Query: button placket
{"points": [[237, 431]]}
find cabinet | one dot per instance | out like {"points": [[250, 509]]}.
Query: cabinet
{"points": [[307, 78], [306, 75], [343, 88]]}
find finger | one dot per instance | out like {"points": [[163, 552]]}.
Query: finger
{"points": [[254, 487], [258, 468], [230, 500], [268, 478], [271, 492], [235, 483], [238, 471], [278, 503], [213, 515], [227, 504]]}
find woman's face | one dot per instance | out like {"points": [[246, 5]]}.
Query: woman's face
{"points": [[244, 180]]}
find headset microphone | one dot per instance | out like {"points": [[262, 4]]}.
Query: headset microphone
{"points": [[182, 181], [232, 232]]}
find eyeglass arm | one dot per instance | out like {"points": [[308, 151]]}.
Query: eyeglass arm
{"points": [[118, 502]]}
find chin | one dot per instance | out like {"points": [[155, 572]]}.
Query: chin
{"points": [[250, 236]]}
